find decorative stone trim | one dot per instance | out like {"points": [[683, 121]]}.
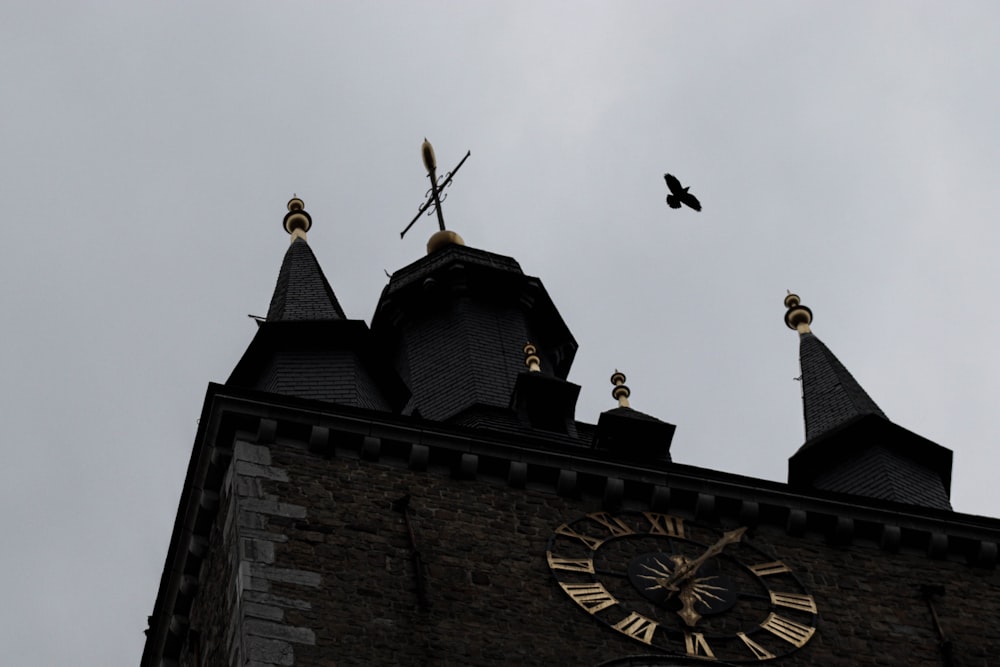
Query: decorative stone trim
{"points": [[749, 513], [937, 548], [517, 474], [259, 637], [319, 441], [371, 448], [467, 467], [419, 455], [704, 509], [566, 486], [796, 525], [987, 555], [843, 531], [891, 537], [614, 490], [659, 501]]}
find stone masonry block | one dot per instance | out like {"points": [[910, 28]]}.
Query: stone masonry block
{"points": [[258, 551], [252, 519], [264, 535], [277, 600], [258, 628], [262, 651], [248, 487], [274, 508], [257, 470], [284, 575], [263, 611], [244, 451]]}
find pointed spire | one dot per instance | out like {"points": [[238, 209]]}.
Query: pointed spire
{"points": [[851, 447], [306, 347], [830, 394], [302, 291]]}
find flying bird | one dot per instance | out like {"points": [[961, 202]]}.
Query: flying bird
{"points": [[679, 194]]}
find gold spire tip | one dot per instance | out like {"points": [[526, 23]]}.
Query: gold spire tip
{"points": [[297, 221], [427, 153], [797, 316], [531, 358], [620, 393]]}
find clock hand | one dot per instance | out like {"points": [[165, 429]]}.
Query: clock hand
{"points": [[688, 599], [686, 570]]}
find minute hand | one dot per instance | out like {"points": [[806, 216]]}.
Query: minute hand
{"points": [[689, 568]]}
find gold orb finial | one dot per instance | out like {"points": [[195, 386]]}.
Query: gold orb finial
{"points": [[297, 221], [620, 393], [443, 238], [531, 358], [797, 316]]}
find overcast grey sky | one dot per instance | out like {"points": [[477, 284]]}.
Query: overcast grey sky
{"points": [[848, 151]]}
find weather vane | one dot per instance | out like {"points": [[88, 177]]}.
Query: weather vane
{"points": [[434, 194]]}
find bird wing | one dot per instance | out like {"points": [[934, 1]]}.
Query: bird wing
{"points": [[673, 201], [673, 184], [691, 201]]}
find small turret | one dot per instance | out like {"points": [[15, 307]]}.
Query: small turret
{"points": [[851, 446], [307, 347], [631, 434]]}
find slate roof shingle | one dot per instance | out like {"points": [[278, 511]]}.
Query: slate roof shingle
{"points": [[302, 291]]}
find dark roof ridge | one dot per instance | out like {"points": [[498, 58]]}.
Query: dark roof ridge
{"points": [[429, 263]]}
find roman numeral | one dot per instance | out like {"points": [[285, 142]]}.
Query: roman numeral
{"points": [[638, 627], [768, 569], [571, 564], [794, 601], [758, 651], [792, 632], [592, 597], [696, 645], [664, 524], [615, 526], [592, 542]]}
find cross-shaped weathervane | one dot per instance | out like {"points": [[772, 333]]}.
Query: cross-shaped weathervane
{"points": [[434, 194]]}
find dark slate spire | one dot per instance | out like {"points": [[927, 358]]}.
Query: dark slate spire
{"points": [[851, 446], [302, 291], [830, 394], [307, 347]]}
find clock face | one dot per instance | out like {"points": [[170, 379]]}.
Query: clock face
{"points": [[682, 588]]}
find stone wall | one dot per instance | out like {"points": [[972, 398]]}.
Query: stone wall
{"points": [[319, 570]]}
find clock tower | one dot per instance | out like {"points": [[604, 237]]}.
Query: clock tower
{"points": [[423, 492]]}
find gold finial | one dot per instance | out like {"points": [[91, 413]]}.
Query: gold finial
{"points": [[442, 238], [797, 316], [297, 222], [427, 153], [531, 359], [620, 392]]}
